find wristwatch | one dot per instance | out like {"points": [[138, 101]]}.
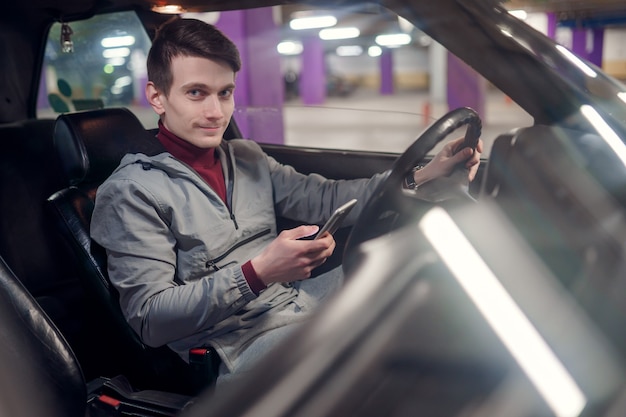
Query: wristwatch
{"points": [[409, 180]]}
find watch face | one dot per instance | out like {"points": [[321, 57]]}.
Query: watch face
{"points": [[410, 179]]}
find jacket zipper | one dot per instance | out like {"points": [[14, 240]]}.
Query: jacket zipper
{"points": [[212, 263], [230, 183]]}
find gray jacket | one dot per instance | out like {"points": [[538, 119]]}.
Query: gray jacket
{"points": [[175, 250]]}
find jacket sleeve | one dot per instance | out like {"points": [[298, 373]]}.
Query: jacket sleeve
{"points": [[133, 226], [312, 198]]}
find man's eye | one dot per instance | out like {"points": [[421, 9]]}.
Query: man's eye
{"points": [[195, 93], [226, 93]]}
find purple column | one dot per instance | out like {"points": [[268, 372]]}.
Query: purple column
{"points": [[466, 88], [552, 24], [313, 74], [579, 42], [386, 72], [595, 56], [259, 93], [233, 25]]}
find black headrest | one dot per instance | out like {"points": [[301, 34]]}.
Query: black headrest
{"points": [[90, 144]]}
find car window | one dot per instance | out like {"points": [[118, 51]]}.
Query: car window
{"points": [[362, 107], [105, 67]]}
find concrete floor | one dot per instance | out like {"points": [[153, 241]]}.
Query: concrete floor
{"points": [[387, 123]]}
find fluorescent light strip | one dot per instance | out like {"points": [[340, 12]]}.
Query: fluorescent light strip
{"points": [[374, 51], [312, 22], [116, 52], [290, 48], [339, 33], [393, 39], [349, 50], [117, 41], [521, 338]]}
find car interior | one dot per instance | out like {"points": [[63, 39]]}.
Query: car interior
{"points": [[543, 215]]}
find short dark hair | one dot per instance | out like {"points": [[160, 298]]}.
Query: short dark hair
{"points": [[187, 37]]}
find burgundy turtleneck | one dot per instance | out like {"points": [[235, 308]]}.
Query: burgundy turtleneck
{"points": [[204, 161], [207, 164]]}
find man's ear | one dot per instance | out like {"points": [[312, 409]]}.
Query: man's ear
{"points": [[154, 98]]}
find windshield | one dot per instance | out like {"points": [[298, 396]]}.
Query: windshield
{"points": [[366, 97]]}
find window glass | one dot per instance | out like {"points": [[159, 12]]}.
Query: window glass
{"points": [[363, 92], [296, 87], [107, 67]]}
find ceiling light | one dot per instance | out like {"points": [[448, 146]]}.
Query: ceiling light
{"points": [[117, 41], [168, 9], [289, 48], [349, 50], [393, 40], [312, 22], [116, 53], [374, 51], [339, 33], [116, 61]]}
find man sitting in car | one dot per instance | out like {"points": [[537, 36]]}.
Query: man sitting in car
{"points": [[191, 236]]}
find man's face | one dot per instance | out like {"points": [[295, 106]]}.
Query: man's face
{"points": [[200, 102]]}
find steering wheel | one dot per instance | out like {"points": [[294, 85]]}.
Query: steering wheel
{"points": [[391, 205]]}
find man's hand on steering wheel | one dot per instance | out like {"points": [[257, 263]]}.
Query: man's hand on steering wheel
{"points": [[444, 162], [392, 205]]}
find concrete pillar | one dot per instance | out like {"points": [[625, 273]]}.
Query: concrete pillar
{"points": [[595, 55], [552, 24], [588, 44], [386, 72], [466, 88], [313, 71], [579, 42], [437, 73]]}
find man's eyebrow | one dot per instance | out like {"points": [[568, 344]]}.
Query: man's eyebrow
{"points": [[202, 86]]}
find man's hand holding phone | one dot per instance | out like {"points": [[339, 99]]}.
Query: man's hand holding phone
{"points": [[336, 219], [289, 258]]}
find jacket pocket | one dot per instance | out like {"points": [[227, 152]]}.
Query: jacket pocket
{"points": [[213, 264]]}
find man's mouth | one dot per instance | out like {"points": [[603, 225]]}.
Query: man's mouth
{"points": [[210, 128]]}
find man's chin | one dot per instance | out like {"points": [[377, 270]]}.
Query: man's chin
{"points": [[207, 142]]}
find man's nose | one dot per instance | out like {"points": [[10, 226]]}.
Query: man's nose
{"points": [[212, 107]]}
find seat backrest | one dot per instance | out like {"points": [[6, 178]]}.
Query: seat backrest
{"points": [[40, 374], [90, 145]]}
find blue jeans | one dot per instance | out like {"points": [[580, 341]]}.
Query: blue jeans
{"points": [[311, 293]]}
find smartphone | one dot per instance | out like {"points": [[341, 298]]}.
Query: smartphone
{"points": [[336, 219]]}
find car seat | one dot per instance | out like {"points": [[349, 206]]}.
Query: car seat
{"points": [[42, 377], [90, 145]]}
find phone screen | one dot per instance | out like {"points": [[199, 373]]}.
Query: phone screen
{"points": [[337, 218]]}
